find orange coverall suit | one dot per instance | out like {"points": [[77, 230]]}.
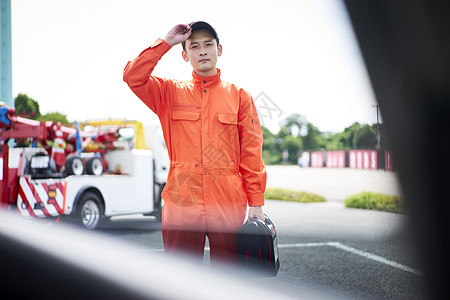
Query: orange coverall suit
{"points": [[214, 142]]}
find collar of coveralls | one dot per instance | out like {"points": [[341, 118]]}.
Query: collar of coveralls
{"points": [[207, 81]]}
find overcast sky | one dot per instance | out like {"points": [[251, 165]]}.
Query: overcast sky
{"points": [[294, 56]]}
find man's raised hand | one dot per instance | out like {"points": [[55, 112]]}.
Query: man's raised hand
{"points": [[178, 34]]}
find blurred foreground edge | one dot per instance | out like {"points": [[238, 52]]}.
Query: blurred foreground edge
{"points": [[406, 48], [56, 261]]}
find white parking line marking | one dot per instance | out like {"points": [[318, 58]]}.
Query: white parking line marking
{"points": [[365, 254], [341, 246], [302, 245]]}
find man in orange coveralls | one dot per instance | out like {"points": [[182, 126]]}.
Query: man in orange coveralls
{"points": [[214, 141]]}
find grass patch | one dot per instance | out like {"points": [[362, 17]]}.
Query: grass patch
{"points": [[290, 195], [376, 201]]}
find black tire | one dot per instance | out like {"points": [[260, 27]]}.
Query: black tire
{"points": [[89, 211], [74, 165], [159, 203], [94, 166], [158, 215]]}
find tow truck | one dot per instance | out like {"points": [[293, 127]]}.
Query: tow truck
{"points": [[85, 173]]}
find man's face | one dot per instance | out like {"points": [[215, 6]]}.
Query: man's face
{"points": [[202, 52]]}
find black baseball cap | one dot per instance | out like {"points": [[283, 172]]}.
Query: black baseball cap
{"points": [[203, 25]]}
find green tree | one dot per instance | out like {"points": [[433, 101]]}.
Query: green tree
{"points": [[310, 136], [266, 132], [356, 136], [29, 108], [283, 132], [314, 138], [366, 138], [346, 139], [333, 141], [297, 134], [295, 123], [270, 154], [26, 106], [55, 117], [293, 145]]}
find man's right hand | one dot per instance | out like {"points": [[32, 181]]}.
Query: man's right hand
{"points": [[178, 34]]}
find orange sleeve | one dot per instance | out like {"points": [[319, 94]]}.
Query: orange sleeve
{"points": [[251, 165], [137, 74]]}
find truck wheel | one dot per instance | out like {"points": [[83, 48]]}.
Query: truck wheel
{"points": [[89, 211], [74, 166], [158, 215], [159, 203], [94, 166]]}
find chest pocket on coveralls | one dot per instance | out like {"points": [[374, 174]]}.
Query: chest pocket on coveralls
{"points": [[186, 128], [228, 136]]}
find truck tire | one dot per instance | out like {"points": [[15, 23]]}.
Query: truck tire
{"points": [[159, 203], [94, 166], [158, 215], [74, 165], [89, 211]]}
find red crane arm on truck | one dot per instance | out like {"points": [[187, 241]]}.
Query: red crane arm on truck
{"points": [[15, 127], [19, 127]]}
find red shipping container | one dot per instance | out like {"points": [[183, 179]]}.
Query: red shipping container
{"points": [[388, 162], [316, 159], [363, 159], [335, 159]]}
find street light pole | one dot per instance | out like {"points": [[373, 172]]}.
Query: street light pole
{"points": [[378, 127], [379, 154]]}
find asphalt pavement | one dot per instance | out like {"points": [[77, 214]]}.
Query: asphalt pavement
{"points": [[351, 253], [338, 252]]}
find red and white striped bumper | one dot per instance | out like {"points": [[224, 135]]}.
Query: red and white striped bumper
{"points": [[41, 198]]}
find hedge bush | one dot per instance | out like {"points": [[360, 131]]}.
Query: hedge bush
{"points": [[376, 201], [291, 195]]}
